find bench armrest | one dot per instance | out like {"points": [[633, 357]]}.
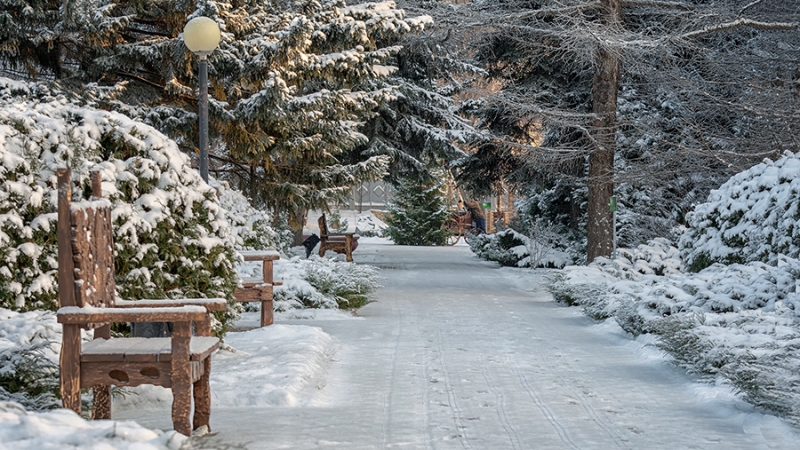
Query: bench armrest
{"points": [[260, 255], [210, 304], [340, 234], [73, 315]]}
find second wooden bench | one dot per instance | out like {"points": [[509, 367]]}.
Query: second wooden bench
{"points": [[260, 290]]}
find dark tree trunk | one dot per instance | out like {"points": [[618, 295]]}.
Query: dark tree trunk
{"points": [[297, 221], [601, 161]]}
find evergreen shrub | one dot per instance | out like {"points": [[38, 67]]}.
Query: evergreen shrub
{"points": [[171, 235], [752, 217], [418, 213], [324, 283]]}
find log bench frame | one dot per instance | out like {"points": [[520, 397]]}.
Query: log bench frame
{"points": [[334, 241], [260, 290], [87, 298]]}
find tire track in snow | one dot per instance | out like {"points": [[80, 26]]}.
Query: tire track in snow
{"points": [[386, 426], [461, 429], [501, 409], [602, 422], [562, 432], [585, 403]]}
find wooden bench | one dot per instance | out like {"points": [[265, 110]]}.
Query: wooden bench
{"points": [[260, 289], [87, 296], [338, 242]]}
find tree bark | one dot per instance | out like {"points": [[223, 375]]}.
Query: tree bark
{"points": [[297, 221], [605, 86]]}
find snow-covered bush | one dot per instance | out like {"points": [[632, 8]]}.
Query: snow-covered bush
{"points": [[738, 322], [29, 346], [752, 217], [368, 225], [324, 283], [251, 228], [511, 248], [171, 236]]}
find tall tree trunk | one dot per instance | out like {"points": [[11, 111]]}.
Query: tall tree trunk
{"points": [[600, 226], [297, 221]]}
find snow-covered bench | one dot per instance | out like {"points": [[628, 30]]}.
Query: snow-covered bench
{"points": [[338, 242], [260, 289], [86, 288]]}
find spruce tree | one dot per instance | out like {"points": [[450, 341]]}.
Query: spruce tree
{"points": [[418, 213], [290, 85]]}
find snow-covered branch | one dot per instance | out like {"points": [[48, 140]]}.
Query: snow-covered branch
{"points": [[742, 23]]}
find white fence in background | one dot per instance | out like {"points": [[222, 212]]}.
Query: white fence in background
{"points": [[375, 195]]}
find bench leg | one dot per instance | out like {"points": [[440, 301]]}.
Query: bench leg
{"points": [[322, 248], [70, 368], [202, 398], [181, 378], [101, 410], [267, 314], [348, 247]]}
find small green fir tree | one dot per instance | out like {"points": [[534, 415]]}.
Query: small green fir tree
{"points": [[418, 213]]}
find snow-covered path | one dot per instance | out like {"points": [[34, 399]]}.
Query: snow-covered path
{"points": [[459, 354]]}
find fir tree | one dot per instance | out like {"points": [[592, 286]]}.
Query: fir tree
{"points": [[291, 86], [418, 213]]}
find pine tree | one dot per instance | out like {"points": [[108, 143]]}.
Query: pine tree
{"points": [[418, 213], [291, 86]]}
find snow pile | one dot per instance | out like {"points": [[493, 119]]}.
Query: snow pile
{"points": [[319, 283], [739, 323], [267, 366], [171, 235], [752, 217], [59, 429], [368, 225]]}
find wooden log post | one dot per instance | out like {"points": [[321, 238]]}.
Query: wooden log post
{"points": [[267, 313], [101, 409], [70, 358], [181, 378], [66, 266], [69, 365], [202, 398], [348, 247]]}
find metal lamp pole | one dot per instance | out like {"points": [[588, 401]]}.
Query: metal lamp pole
{"points": [[202, 112], [201, 35]]}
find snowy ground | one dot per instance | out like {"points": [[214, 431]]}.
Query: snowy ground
{"points": [[457, 353]]}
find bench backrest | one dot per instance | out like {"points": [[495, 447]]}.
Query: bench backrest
{"points": [[85, 246]]}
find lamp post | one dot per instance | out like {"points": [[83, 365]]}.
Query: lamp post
{"points": [[201, 35]]}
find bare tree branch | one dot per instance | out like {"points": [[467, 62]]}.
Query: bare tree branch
{"points": [[656, 4], [750, 5], [742, 23]]}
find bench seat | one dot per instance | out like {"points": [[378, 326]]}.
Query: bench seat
{"points": [[144, 349]]}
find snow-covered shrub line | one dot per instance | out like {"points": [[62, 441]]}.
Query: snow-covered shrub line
{"points": [[29, 346], [171, 236], [319, 283], [511, 248], [738, 322], [752, 217]]}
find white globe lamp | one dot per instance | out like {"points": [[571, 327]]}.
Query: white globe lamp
{"points": [[201, 35]]}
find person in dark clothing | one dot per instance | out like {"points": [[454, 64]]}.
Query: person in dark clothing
{"points": [[476, 211]]}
